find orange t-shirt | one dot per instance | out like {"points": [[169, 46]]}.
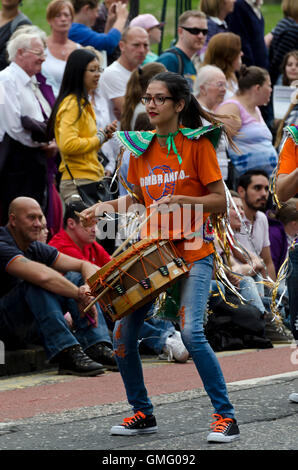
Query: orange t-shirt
{"points": [[160, 175], [288, 159]]}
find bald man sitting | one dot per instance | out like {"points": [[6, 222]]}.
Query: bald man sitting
{"points": [[34, 296]]}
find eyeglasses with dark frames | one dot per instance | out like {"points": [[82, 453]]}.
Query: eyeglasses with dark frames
{"points": [[157, 100]]}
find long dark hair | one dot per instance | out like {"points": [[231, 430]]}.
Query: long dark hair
{"points": [[135, 88], [72, 84], [192, 113]]}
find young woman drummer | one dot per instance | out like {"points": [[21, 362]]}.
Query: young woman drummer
{"points": [[185, 157]]}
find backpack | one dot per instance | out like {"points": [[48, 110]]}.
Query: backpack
{"points": [[176, 52], [230, 328]]}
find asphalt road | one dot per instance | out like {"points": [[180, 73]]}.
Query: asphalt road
{"points": [[47, 412]]}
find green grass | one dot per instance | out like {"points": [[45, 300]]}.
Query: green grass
{"points": [[35, 10], [272, 15]]}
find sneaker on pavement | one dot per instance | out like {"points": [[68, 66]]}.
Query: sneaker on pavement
{"points": [[103, 354], [137, 424], [224, 430], [175, 349], [73, 361], [294, 397], [276, 331]]}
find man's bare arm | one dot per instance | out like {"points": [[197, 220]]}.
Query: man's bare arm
{"points": [[50, 278]]}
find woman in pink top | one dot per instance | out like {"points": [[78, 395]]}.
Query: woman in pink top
{"points": [[252, 136]]}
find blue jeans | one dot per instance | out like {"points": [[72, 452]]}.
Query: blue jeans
{"points": [[292, 282], [252, 292], [29, 311], [194, 292]]}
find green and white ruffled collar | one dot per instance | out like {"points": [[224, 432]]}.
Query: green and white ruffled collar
{"points": [[137, 142], [292, 131]]}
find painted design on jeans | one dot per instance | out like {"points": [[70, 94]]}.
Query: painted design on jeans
{"points": [[120, 351], [118, 332]]}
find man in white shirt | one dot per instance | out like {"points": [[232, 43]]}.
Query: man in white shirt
{"points": [[253, 188], [134, 46], [24, 165]]}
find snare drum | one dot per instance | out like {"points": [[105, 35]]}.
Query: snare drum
{"points": [[137, 276]]}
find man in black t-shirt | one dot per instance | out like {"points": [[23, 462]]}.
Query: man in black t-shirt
{"points": [[34, 296]]}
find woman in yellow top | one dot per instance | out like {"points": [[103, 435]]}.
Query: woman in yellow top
{"points": [[73, 123]]}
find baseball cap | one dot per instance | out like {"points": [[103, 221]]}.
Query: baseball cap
{"points": [[146, 21]]}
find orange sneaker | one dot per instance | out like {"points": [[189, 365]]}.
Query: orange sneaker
{"points": [[139, 423], [224, 430]]}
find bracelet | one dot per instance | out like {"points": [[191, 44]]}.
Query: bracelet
{"points": [[101, 136]]}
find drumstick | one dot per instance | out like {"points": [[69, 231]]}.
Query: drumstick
{"points": [[133, 234], [78, 214]]}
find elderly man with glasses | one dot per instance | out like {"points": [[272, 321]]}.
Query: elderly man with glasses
{"points": [[23, 156], [192, 33]]}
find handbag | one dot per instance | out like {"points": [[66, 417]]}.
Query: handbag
{"points": [[94, 192], [230, 328]]}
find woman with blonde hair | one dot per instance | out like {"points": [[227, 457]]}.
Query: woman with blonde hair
{"points": [[224, 51], [59, 15], [135, 89]]}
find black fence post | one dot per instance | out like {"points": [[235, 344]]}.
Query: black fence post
{"points": [[134, 8]]}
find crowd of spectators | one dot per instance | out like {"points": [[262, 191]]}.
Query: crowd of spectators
{"points": [[64, 95]]}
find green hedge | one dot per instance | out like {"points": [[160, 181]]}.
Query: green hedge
{"points": [[35, 10]]}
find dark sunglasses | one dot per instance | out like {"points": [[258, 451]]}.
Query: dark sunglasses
{"points": [[196, 31]]}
